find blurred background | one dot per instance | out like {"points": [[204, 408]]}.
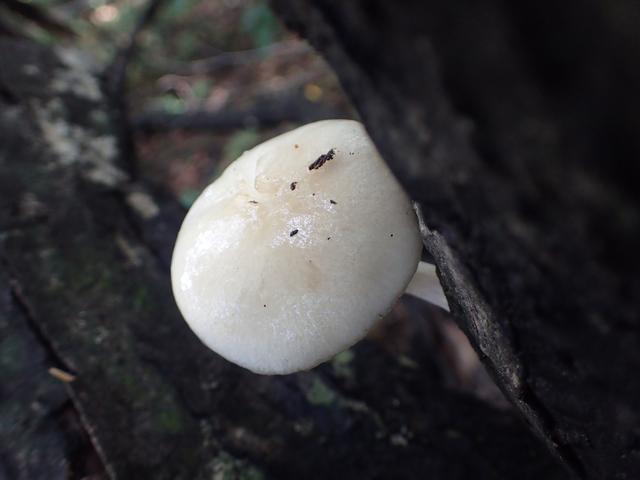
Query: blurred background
{"points": [[207, 80]]}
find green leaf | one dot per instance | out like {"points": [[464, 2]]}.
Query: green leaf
{"points": [[261, 24], [239, 142], [319, 393], [201, 88], [177, 8], [171, 104], [188, 197]]}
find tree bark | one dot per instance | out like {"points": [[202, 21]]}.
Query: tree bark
{"points": [[515, 126]]}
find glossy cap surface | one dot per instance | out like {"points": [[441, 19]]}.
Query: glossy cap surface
{"points": [[296, 250]]}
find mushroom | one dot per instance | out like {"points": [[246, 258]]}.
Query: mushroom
{"points": [[297, 249]]}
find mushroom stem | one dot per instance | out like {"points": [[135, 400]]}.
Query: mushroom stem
{"points": [[426, 285]]}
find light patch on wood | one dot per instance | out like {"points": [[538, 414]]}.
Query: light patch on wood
{"points": [[143, 204], [61, 375], [78, 78], [74, 144], [30, 206], [31, 69], [132, 253]]}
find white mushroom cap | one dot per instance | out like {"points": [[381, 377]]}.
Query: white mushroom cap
{"points": [[299, 247]]}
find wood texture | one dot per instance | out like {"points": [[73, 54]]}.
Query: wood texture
{"points": [[515, 126]]}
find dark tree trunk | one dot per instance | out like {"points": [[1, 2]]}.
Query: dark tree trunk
{"points": [[516, 126], [84, 289]]}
